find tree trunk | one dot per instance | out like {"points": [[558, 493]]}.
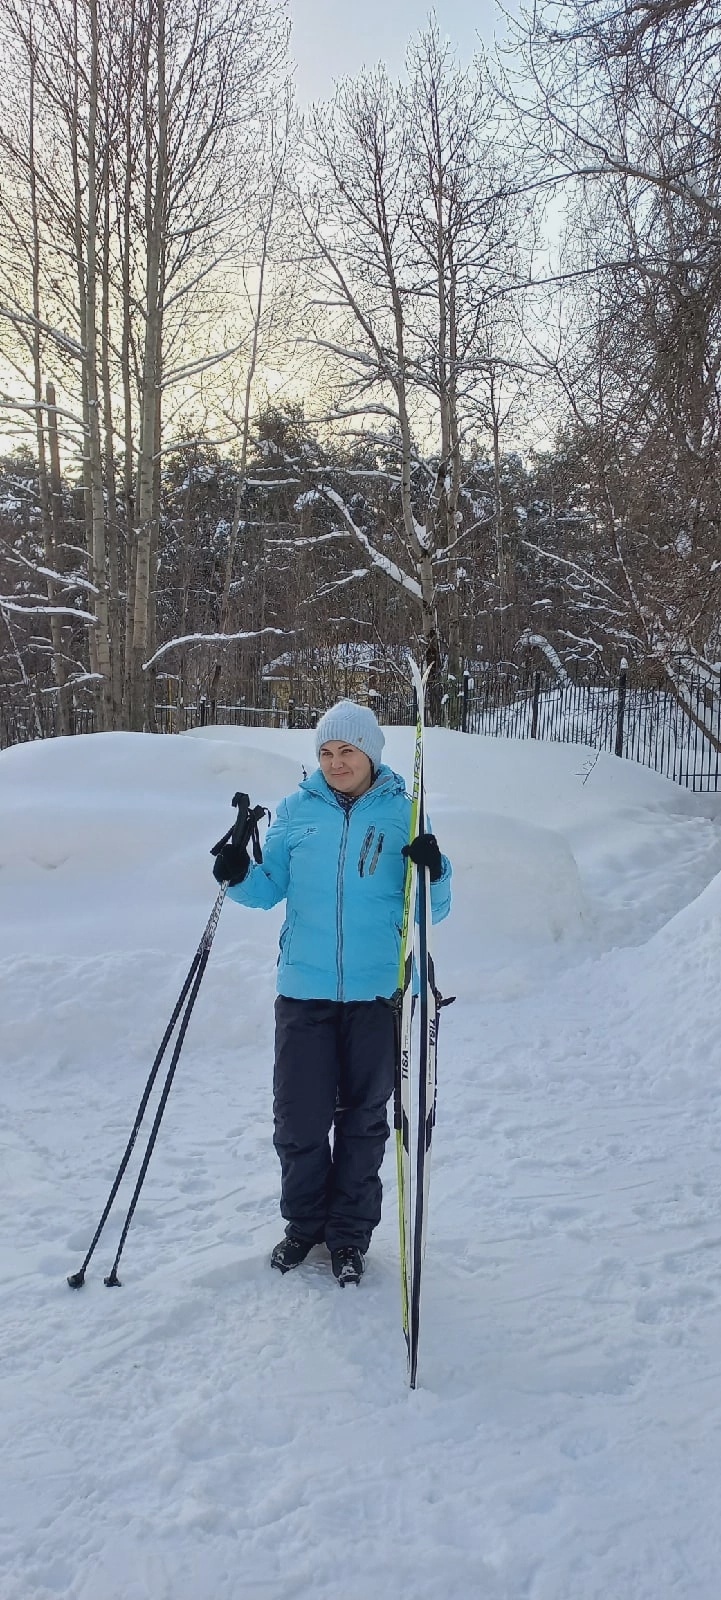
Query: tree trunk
{"points": [[56, 519], [252, 363], [95, 456], [151, 674], [501, 630], [47, 503], [127, 386], [156, 179], [114, 607]]}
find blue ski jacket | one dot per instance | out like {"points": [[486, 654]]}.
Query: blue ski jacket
{"points": [[342, 876]]}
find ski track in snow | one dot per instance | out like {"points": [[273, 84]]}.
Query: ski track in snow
{"points": [[214, 1431]]}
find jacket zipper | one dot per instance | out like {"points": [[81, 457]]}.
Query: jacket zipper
{"points": [[339, 902], [367, 842]]}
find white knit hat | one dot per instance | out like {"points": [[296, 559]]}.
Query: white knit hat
{"points": [[354, 725]]}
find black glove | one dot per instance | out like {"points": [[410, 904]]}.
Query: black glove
{"points": [[231, 864], [424, 851], [231, 852]]}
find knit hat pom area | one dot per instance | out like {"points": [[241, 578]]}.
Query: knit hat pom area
{"points": [[352, 724]]}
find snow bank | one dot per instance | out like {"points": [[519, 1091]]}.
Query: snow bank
{"points": [[216, 1430], [110, 834]]}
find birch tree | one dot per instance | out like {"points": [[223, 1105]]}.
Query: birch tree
{"points": [[132, 181], [204, 69]]}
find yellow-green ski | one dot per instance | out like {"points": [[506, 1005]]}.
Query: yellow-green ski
{"points": [[405, 1007]]}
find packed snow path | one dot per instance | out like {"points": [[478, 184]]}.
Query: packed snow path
{"points": [[213, 1431]]}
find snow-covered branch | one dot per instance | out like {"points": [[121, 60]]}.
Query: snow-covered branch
{"points": [[450, 549], [207, 638], [391, 569], [538, 641], [65, 579], [193, 369], [320, 594], [318, 538], [561, 561], [31, 408], [47, 611], [23, 319], [271, 483]]}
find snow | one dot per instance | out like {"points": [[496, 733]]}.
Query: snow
{"points": [[216, 1430], [309, 498]]}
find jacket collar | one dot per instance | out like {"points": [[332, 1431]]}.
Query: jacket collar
{"points": [[386, 781]]}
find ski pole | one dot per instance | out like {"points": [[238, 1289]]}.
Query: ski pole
{"points": [[243, 831], [112, 1281]]}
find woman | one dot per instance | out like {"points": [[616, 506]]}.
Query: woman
{"points": [[335, 854]]}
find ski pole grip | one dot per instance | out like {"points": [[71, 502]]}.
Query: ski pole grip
{"points": [[245, 828], [242, 801]]}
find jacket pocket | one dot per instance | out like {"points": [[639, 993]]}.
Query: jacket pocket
{"points": [[376, 853], [286, 939]]}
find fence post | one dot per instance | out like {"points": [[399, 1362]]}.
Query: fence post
{"points": [[466, 698], [536, 698], [291, 713], [621, 711], [203, 710]]}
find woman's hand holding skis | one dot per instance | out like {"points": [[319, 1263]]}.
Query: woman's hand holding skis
{"points": [[424, 851]]}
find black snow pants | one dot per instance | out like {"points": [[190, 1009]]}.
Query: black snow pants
{"points": [[334, 1069]]}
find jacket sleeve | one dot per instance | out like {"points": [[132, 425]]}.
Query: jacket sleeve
{"points": [[441, 889], [267, 883], [441, 892]]}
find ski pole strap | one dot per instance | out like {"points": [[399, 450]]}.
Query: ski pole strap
{"points": [[244, 830]]}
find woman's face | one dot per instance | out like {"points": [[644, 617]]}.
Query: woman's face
{"points": [[345, 767]]}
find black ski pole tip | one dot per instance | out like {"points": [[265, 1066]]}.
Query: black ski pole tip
{"points": [[76, 1280], [112, 1281]]}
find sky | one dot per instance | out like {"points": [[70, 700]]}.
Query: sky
{"points": [[333, 39]]}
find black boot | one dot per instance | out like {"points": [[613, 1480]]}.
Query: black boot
{"points": [[290, 1251], [348, 1263]]}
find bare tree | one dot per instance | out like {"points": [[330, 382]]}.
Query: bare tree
{"points": [[624, 90], [622, 113], [133, 177], [405, 207], [274, 157]]}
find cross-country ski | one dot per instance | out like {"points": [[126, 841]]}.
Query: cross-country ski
{"points": [[415, 1095]]}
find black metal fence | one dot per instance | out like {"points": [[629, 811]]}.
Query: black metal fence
{"points": [[207, 713], [678, 734], [394, 707]]}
